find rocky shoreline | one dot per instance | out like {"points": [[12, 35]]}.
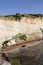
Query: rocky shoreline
{"points": [[31, 56]]}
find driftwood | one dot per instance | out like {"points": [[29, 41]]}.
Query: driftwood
{"points": [[13, 47], [5, 43]]}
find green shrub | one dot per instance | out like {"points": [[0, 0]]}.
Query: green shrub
{"points": [[17, 16], [20, 36]]}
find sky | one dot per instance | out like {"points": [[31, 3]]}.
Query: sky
{"points": [[8, 7]]}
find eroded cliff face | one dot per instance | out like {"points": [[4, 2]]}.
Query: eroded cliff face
{"points": [[29, 26]]}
